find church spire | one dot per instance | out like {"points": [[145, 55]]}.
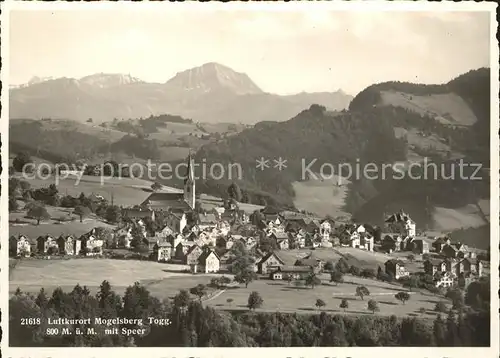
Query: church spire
{"points": [[189, 182], [190, 168]]}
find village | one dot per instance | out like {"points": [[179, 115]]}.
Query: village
{"points": [[276, 244]]}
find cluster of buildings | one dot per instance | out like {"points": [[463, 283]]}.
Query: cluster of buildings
{"points": [[448, 263], [88, 244], [205, 243]]}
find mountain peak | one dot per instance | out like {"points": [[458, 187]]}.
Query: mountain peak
{"points": [[105, 80], [212, 77]]}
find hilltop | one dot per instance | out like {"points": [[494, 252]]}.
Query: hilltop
{"points": [[450, 124], [209, 93]]}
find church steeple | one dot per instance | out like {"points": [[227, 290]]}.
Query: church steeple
{"points": [[189, 183]]}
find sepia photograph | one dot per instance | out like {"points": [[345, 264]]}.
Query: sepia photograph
{"points": [[250, 175]]}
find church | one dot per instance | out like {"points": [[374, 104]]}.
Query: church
{"points": [[176, 202]]}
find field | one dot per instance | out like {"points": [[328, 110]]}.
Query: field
{"points": [[322, 197], [359, 258], [448, 108], [418, 141], [451, 219], [125, 191], [280, 296], [163, 280]]}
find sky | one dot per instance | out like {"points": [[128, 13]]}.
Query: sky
{"points": [[282, 52]]}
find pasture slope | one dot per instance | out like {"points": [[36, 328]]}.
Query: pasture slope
{"points": [[163, 280]]}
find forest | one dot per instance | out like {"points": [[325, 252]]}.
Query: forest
{"points": [[191, 324]]}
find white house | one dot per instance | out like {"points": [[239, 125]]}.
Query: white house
{"points": [[20, 246], [208, 262], [325, 229]]}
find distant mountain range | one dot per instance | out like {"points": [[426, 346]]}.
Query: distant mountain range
{"points": [[210, 93]]}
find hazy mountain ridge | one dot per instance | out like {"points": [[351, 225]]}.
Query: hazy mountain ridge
{"points": [[209, 93]]}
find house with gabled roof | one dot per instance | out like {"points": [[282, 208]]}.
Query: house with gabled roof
{"points": [[325, 229], [164, 250], [161, 201], [419, 245], [208, 262], [312, 261], [269, 262], [138, 213], [450, 251], [469, 265], [392, 242], [440, 242], [431, 266], [193, 254], [291, 272], [281, 239], [207, 221], [124, 236], [69, 245], [47, 245], [396, 268], [19, 246], [402, 223]]}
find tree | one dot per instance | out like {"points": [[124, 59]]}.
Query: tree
{"points": [[373, 306], [20, 161], [224, 281], [156, 186], [24, 185], [456, 297], [426, 257], [109, 302], [354, 270], [41, 299], [478, 294], [336, 277], [229, 301], [320, 303], [312, 280], [439, 330], [256, 217], [199, 290], [81, 211], [328, 266], [243, 265], [246, 277], [113, 214], [422, 310], [234, 192], [411, 257], [411, 282], [39, 212], [182, 299], [13, 205], [362, 291], [440, 307], [342, 266], [254, 300], [402, 296], [368, 273], [344, 304]]}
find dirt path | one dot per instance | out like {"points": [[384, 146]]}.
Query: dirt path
{"points": [[220, 292]]}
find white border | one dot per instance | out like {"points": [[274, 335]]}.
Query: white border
{"points": [[398, 352]]}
